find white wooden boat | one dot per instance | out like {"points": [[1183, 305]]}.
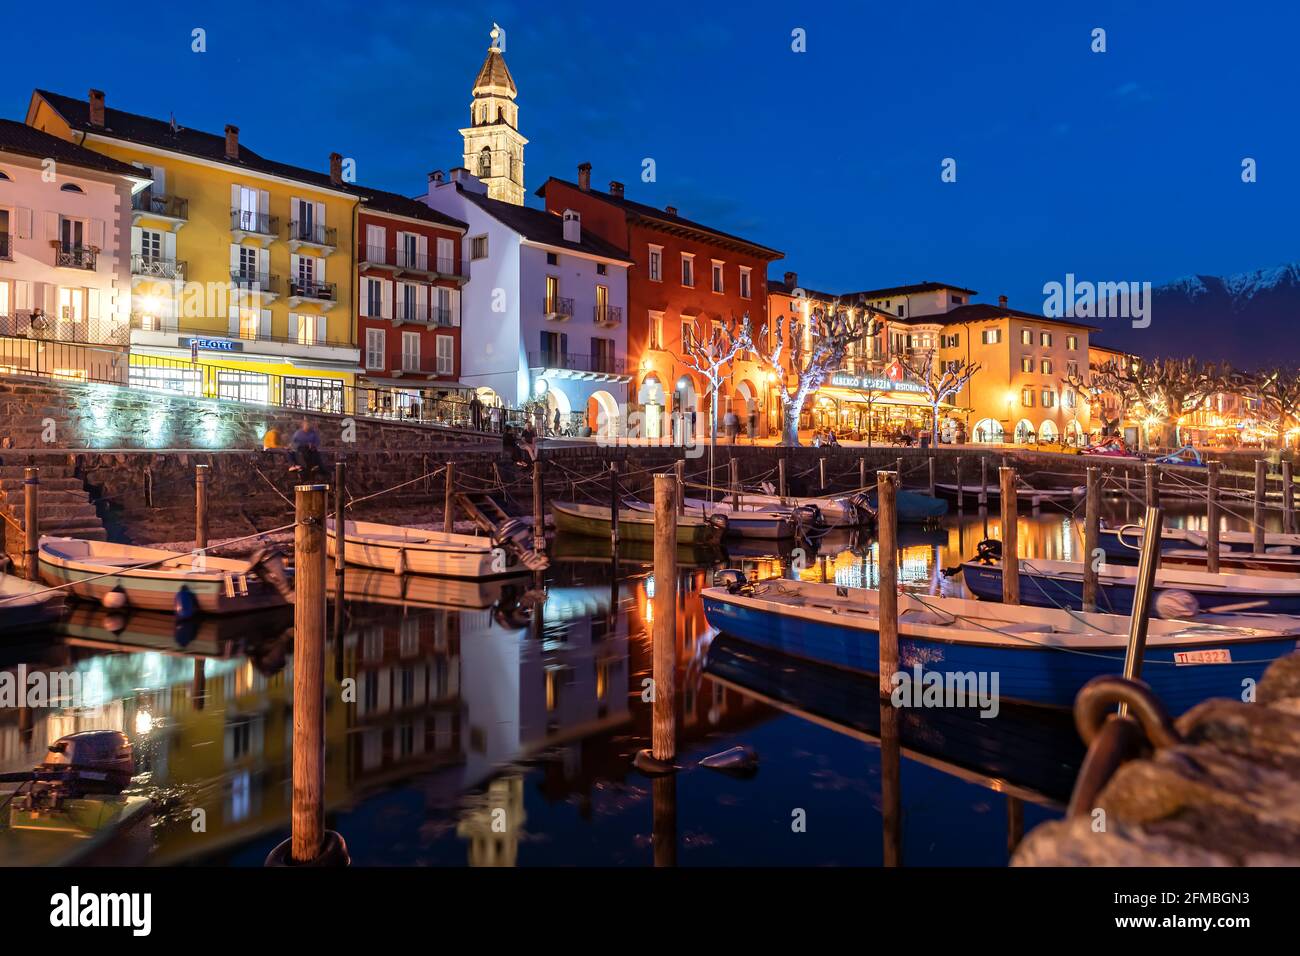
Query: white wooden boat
{"points": [[743, 522], [26, 604], [151, 578], [838, 511], [390, 547], [1125, 543]]}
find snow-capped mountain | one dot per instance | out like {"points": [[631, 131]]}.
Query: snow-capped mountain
{"points": [[1251, 319]]}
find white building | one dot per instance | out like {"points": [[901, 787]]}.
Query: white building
{"points": [[543, 316], [64, 253]]}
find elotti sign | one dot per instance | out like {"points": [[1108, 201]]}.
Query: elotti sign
{"points": [[212, 345], [873, 383]]}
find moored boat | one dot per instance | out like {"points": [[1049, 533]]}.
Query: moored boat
{"points": [[403, 550], [914, 507], [154, 579], [1032, 496], [592, 521], [1036, 655], [25, 605], [746, 521], [837, 511], [1125, 543], [1059, 584]]}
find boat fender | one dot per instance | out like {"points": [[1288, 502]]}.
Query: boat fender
{"points": [[333, 852], [114, 600], [185, 606], [988, 551], [1176, 603], [184, 631], [739, 761], [731, 579], [114, 622]]}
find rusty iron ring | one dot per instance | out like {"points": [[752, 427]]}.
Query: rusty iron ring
{"points": [[1093, 707]]}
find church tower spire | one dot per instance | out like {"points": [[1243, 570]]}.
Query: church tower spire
{"points": [[494, 147]]}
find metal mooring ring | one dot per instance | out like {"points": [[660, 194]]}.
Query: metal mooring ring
{"points": [[1096, 702]]}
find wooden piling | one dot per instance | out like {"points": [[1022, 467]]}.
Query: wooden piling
{"points": [[449, 498], [31, 521], [891, 785], [1288, 500], [898, 470], [613, 507], [931, 476], [539, 516], [1143, 595], [1257, 519], [680, 469], [664, 721], [862, 474], [1152, 474], [309, 673], [1212, 517], [340, 522], [961, 499], [1091, 538], [887, 594], [1010, 557], [200, 507], [780, 477], [821, 468], [984, 481]]}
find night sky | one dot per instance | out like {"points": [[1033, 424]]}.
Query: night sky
{"points": [[1124, 165]]}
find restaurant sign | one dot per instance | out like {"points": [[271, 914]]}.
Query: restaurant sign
{"points": [[211, 345], [874, 383]]}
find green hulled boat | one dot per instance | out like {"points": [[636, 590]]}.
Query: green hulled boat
{"points": [[592, 521]]}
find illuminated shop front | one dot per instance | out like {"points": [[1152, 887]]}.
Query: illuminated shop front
{"points": [[856, 405]]}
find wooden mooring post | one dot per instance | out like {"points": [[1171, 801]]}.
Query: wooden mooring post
{"points": [[1212, 517], [679, 468], [340, 521], [1091, 538], [663, 739], [931, 476], [310, 842], [1257, 518], [1288, 500], [539, 516], [821, 470], [961, 499], [1010, 557], [887, 590], [31, 521], [1153, 524], [449, 499], [613, 509], [734, 478], [984, 481], [780, 476], [862, 474], [200, 507]]}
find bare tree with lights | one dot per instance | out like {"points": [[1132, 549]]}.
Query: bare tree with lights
{"points": [[1165, 389], [1278, 392], [710, 355], [1096, 385], [938, 385], [815, 349]]}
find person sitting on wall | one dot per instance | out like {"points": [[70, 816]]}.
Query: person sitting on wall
{"points": [[306, 449], [271, 440]]}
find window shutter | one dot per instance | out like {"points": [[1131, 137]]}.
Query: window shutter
{"points": [[263, 202], [24, 223], [320, 329], [169, 246], [22, 294], [137, 235], [264, 262], [234, 197], [295, 210], [320, 270], [293, 267], [453, 296], [92, 303], [49, 293], [320, 214], [233, 325], [386, 300], [422, 247], [264, 324], [52, 225], [234, 257]]}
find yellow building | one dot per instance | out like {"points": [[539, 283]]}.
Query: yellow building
{"points": [[242, 276]]}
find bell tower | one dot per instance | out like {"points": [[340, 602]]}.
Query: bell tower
{"points": [[494, 147]]}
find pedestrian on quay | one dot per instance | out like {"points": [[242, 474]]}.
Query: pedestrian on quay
{"points": [[476, 412], [306, 449], [555, 425]]}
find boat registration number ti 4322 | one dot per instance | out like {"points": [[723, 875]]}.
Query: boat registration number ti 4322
{"points": [[1212, 655]]}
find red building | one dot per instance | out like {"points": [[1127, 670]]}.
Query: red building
{"points": [[686, 277], [410, 269]]}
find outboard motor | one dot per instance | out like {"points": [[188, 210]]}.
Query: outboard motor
{"points": [[989, 551], [92, 762], [733, 580], [862, 510], [268, 565]]}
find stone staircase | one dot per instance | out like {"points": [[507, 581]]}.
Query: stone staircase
{"points": [[64, 505]]}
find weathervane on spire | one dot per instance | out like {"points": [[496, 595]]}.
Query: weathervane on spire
{"points": [[498, 35]]}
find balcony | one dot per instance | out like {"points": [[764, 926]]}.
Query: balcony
{"points": [[431, 267], [559, 364], [75, 257], [324, 294], [557, 308], [142, 322], [262, 284], [6, 246], [311, 235], [253, 225], [607, 316], [375, 257], [171, 209], [442, 317], [410, 312], [163, 336], [155, 267], [421, 367], [34, 324]]}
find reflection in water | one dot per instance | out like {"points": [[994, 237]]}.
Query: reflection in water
{"points": [[494, 724]]}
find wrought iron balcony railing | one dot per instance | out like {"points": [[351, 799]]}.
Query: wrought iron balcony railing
{"points": [[441, 316], [75, 257], [313, 232], [262, 282], [558, 307], [154, 267], [6, 246], [311, 289], [571, 361], [168, 207], [34, 324], [376, 256], [254, 223], [607, 315], [410, 312]]}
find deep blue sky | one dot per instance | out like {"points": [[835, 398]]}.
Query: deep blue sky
{"points": [[1122, 165]]}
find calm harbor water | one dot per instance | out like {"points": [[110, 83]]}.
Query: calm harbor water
{"points": [[494, 724]]}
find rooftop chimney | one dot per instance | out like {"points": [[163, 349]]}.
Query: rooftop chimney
{"points": [[436, 178], [572, 226], [584, 177], [1002, 302], [671, 210], [792, 279], [616, 189], [336, 169], [463, 178], [97, 109], [232, 142]]}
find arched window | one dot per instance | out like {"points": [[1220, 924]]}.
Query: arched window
{"points": [[485, 163], [71, 188]]}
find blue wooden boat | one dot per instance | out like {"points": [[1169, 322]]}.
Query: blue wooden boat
{"points": [[914, 507], [1036, 655], [1059, 584], [1124, 543]]}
